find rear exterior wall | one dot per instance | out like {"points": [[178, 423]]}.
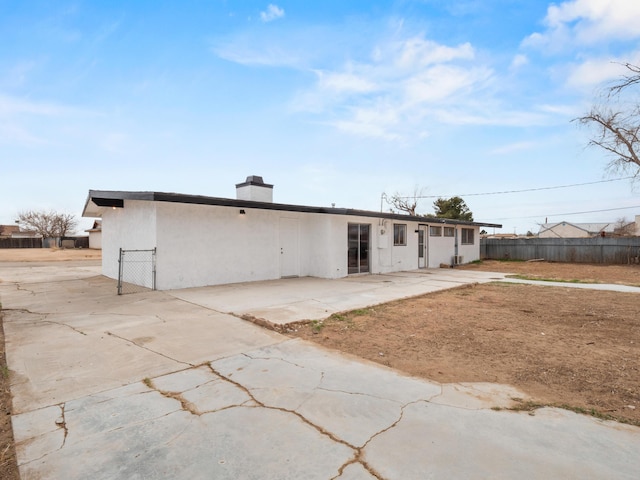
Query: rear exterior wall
{"points": [[199, 245]]}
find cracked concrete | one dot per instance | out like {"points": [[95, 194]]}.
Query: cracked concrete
{"points": [[165, 385]]}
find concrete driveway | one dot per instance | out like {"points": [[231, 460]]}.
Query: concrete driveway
{"points": [[171, 385]]}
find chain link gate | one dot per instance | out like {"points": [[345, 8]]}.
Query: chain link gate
{"points": [[137, 271]]}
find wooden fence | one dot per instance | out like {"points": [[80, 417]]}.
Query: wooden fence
{"points": [[64, 242], [608, 250], [20, 243]]}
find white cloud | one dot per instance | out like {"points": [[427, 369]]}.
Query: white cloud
{"points": [[394, 93], [512, 147], [344, 82], [240, 52], [12, 106], [587, 22], [272, 13], [12, 134], [418, 52], [562, 110], [441, 82], [594, 72], [519, 61]]}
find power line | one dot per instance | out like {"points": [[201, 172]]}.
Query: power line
{"points": [[567, 214], [524, 190]]}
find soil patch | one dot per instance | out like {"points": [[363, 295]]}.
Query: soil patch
{"points": [[48, 254], [584, 272], [568, 347], [8, 465]]}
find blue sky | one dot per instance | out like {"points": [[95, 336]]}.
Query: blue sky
{"points": [[333, 102]]}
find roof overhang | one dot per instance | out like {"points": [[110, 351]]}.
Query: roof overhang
{"points": [[100, 200]]}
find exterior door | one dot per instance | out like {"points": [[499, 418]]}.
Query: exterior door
{"points": [[289, 248], [422, 246], [358, 247]]}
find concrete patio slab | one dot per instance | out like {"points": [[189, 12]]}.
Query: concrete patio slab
{"points": [[437, 441], [170, 385], [291, 300]]}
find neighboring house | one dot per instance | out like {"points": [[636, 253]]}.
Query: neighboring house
{"points": [[13, 231], [582, 230], [8, 230], [501, 235], [209, 240], [95, 235], [574, 230]]}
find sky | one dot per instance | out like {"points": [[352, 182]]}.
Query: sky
{"points": [[332, 102]]}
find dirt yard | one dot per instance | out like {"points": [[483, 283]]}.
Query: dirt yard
{"points": [[48, 254], [620, 274], [8, 467], [579, 349], [568, 347]]}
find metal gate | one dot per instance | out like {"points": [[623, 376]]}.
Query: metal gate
{"points": [[137, 271]]}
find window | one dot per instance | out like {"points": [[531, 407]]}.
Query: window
{"points": [[435, 231], [399, 234], [467, 236], [449, 232]]}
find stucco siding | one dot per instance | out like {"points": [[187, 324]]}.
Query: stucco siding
{"points": [[199, 245], [95, 240], [441, 248], [131, 228], [470, 252], [323, 250], [393, 258], [204, 245]]}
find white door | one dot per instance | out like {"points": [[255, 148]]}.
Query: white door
{"points": [[422, 246], [289, 248]]}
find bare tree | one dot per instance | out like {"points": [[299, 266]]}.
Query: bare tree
{"points": [[624, 228], [48, 224], [616, 124], [407, 204]]}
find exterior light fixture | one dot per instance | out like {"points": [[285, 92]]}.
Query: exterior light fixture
{"points": [[242, 212]]}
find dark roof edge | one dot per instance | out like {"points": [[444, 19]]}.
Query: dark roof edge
{"points": [[115, 196]]}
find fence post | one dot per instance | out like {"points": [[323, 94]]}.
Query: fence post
{"points": [[153, 269], [120, 272]]}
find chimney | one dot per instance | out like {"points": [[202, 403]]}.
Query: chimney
{"points": [[254, 189]]}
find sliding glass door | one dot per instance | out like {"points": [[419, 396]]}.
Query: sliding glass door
{"points": [[358, 241]]}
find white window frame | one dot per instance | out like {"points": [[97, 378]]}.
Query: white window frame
{"points": [[435, 231], [465, 233], [399, 234], [451, 230]]}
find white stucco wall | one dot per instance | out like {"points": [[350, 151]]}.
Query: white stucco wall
{"points": [[131, 228], [95, 240], [387, 257], [469, 252], [207, 245], [323, 242], [441, 248], [201, 245]]}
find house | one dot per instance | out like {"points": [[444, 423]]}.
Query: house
{"points": [[95, 235], [582, 230], [13, 231], [202, 240], [8, 230]]}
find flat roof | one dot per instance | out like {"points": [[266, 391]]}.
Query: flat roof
{"points": [[99, 200]]}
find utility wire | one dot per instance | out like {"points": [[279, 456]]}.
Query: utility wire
{"points": [[567, 214], [525, 190]]}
